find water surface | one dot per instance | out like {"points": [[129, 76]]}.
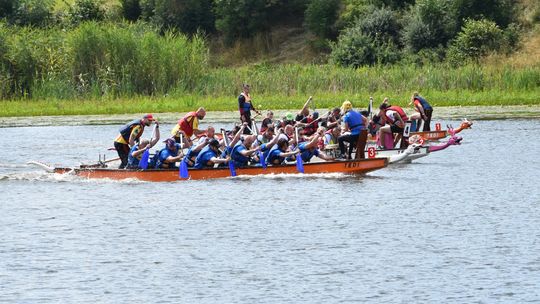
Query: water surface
{"points": [[459, 226]]}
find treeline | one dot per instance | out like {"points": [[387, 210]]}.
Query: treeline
{"points": [[159, 47]]}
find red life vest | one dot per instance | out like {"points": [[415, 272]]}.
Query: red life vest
{"points": [[187, 126], [311, 127], [400, 112]]}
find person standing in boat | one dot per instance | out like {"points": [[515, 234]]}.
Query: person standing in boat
{"points": [[353, 123], [424, 109], [129, 136], [245, 106], [189, 126]]}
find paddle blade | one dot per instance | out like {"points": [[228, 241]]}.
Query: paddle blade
{"points": [[143, 164], [183, 170], [299, 164], [261, 159], [231, 168]]}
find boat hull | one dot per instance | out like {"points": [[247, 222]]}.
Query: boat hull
{"points": [[170, 175]]}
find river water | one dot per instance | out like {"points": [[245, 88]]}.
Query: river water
{"points": [[459, 226]]}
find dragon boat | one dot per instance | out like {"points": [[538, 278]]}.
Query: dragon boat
{"points": [[351, 167]]}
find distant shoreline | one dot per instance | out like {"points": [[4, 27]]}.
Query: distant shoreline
{"points": [[440, 113]]}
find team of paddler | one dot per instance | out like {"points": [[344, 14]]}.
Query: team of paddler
{"points": [[277, 142]]}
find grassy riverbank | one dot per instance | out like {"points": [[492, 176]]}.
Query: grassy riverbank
{"points": [[322, 101]]}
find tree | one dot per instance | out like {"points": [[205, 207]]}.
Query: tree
{"points": [[86, 10], [355, 48], [381, 24], [476, 39], [32, 12], [502, 12], [131, 9], [429, 24], [240, 19], [188, 16], [320, 17]]}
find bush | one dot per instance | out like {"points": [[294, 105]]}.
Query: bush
{"points": [[131, 9], [86, 10], [502, 12], [429, 24], [477, 39], [381, 24], [354, 48], [240, 19], [188, 16], [7, 7], [32, 12], [320, 17]]}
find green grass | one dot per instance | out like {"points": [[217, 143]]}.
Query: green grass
{"points": [[322, 101]]}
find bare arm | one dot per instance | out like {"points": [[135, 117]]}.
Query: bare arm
{"points": [[155, 137]]}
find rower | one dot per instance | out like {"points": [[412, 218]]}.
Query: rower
{"points": [[129, 135], [278, 155], [189, 126], [136, 152], [208, 156], [167, 157], [193, 152], [394, 118], [309, 123], [308, 149], [268, 121], [242, 153]]}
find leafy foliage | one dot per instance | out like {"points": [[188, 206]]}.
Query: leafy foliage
{"points": [[429, 24], [320, 17], [131, 9], [477, 39], [355, 48], [86, 10]]}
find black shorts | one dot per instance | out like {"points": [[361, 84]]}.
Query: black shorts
{"points": [[396, 129]]}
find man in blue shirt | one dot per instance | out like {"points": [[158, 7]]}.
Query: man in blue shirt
{"points": [[168, 157]]}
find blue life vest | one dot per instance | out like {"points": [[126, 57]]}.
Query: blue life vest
{"points": [[274, 155], [244, 106], [424, 103], [354, 121], [239, 159], [133, 162], [190, 154], [125, 131], [204, 157], [164, 154]]}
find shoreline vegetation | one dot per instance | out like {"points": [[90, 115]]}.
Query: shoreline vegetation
{"points": [[75, 64], [101, 68], [186, 103]]}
